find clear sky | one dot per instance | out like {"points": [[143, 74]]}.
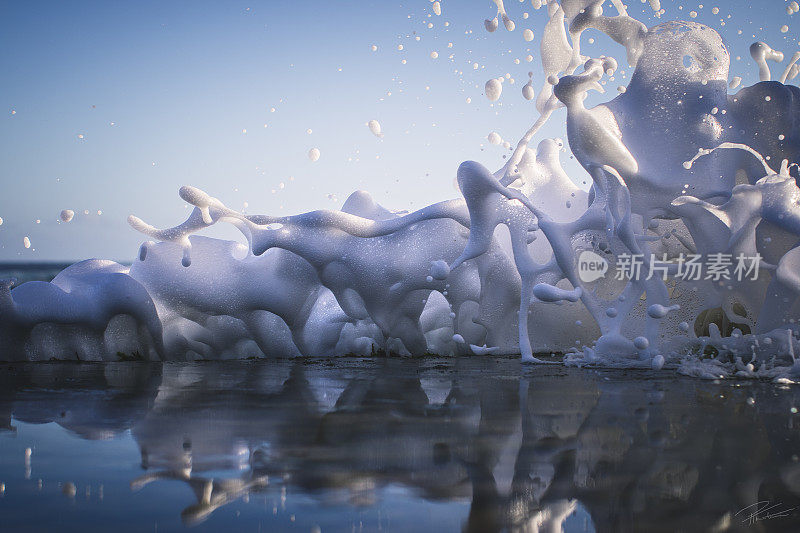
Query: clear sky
{"points": [[111, 106]]}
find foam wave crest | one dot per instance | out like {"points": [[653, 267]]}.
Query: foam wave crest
{"points": [[683, 252]]}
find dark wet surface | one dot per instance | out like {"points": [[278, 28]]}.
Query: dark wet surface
{"points": [[476, 444]]}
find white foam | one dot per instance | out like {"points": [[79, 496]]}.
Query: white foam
{"points": [[493, 89], [677, 167], [761, 52], [375, 127]]}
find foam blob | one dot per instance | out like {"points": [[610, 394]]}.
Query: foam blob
{"points": [[375, 127], [761, 52], [67, 215], [549, 293], [527, 91], [440, 270], [660, 311], [657, 362], [676, 166], [482, 350], [314, 154], [641, 343], [493, 89]]}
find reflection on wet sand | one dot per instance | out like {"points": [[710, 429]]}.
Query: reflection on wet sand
{"points": [[527, 451]]}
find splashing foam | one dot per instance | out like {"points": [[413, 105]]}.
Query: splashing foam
{"points": [[678, 167]]}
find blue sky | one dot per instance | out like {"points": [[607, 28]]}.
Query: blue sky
{"points": [[171, 93]]}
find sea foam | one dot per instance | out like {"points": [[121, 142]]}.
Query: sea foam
{"points": [[679, 168]]}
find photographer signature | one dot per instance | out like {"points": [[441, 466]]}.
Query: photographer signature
{"points": [[763, 510]]}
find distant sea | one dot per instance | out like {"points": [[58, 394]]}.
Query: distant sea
{"points": [[24, 272]]}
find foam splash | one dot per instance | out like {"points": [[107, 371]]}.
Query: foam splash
{"points": [[679, 167]]}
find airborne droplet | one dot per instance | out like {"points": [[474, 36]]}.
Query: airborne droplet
{"points": [[375, 128], [527, 91], [493, 89]]}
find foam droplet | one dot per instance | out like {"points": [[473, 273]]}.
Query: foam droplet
{"points": [[527, 91], [657, 362], [493, 89], [440, 270], [659, 311], [761, 52], [375, 128]]}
